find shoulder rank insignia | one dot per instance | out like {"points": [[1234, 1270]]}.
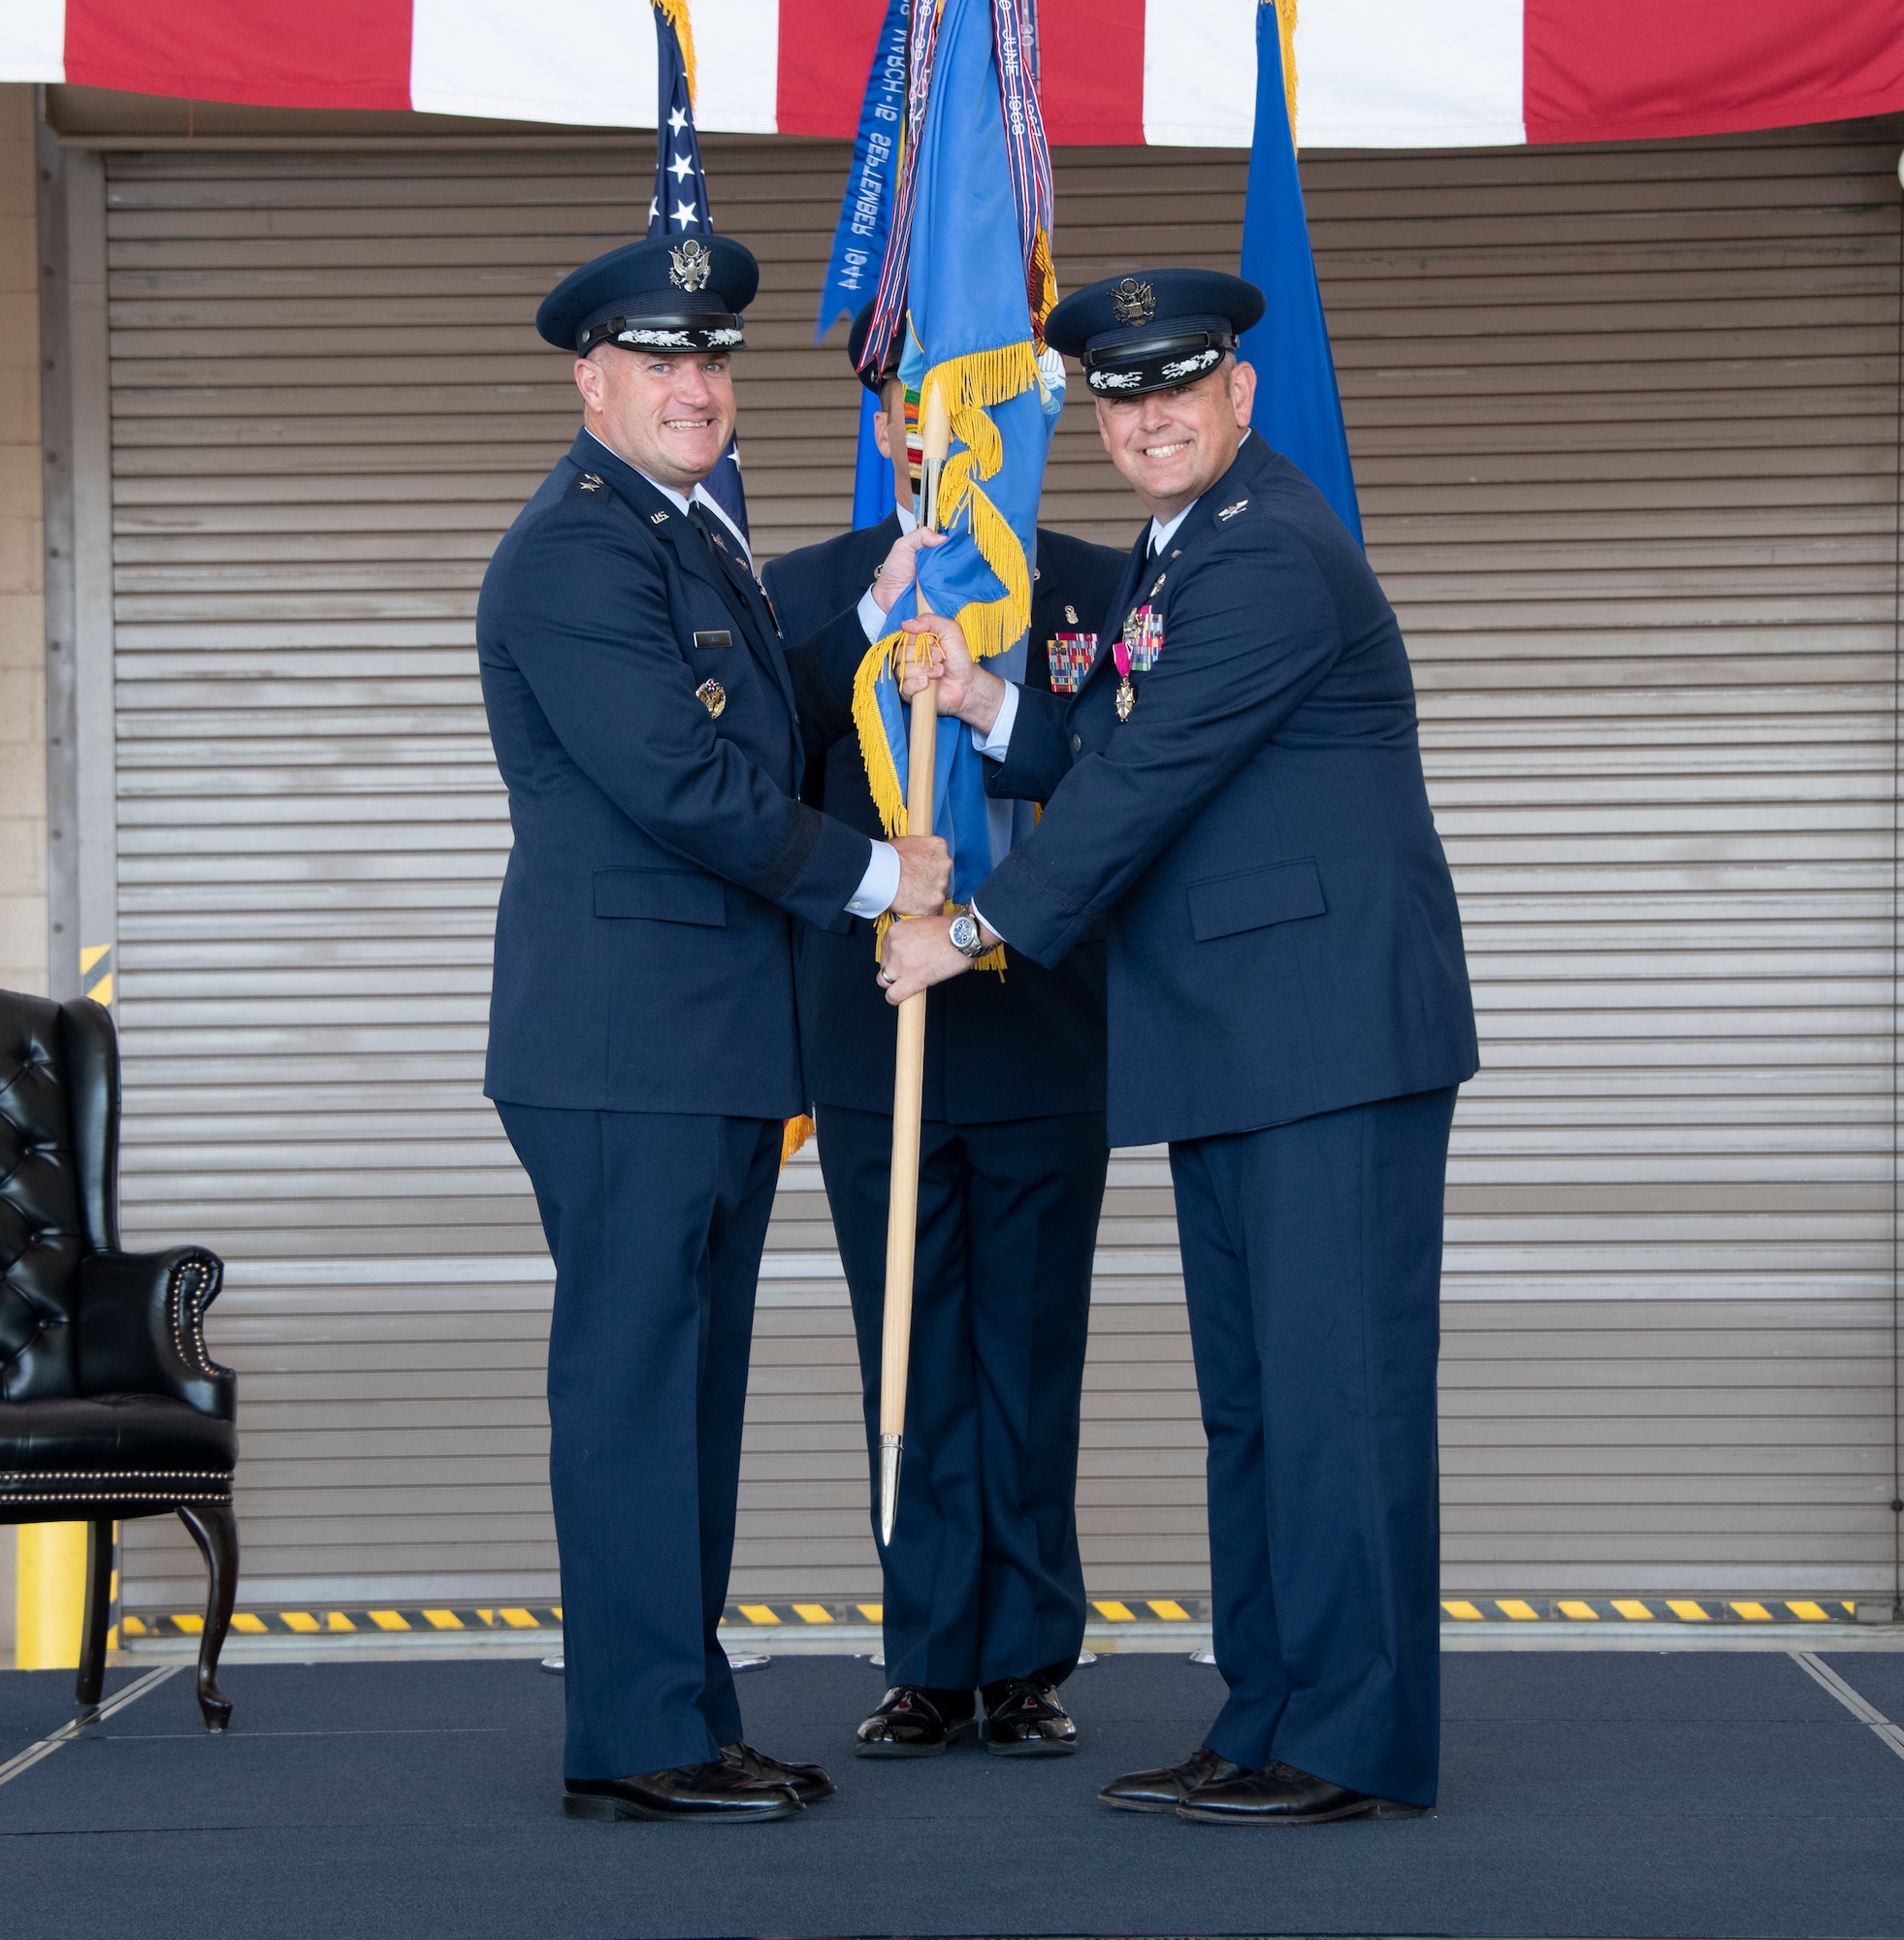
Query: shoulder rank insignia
{"points": [[658, 518], [713, 696], [590, 482], [1230, 511], [1070, 656], [689, 266]]}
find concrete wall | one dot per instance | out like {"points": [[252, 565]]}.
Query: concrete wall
{"points": [[22, 632]]}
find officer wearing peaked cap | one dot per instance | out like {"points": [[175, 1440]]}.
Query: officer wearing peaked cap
{"points": [[1235, 801], [643, 1049], [984, 1585]]}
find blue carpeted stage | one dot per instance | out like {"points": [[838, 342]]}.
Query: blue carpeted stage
{"points": [[1584, 1794]]}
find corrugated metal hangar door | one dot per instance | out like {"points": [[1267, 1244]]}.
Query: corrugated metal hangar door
{"points": [[1624, 424]]}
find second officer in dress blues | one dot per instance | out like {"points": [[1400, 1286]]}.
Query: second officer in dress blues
{"points": [[1236, 802], [643, 1049], [983, 1588]]}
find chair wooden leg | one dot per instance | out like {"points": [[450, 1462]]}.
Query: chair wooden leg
{"points": [[98, 1621], [215, 1529]]}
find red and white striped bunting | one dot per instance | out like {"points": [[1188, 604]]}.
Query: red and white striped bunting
{"points": [[1370, 73]]}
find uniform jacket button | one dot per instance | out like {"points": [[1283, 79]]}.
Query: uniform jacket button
{"points": [[1077, 744]]}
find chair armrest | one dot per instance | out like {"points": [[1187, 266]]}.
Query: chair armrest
{"points": [[141, 1328]]}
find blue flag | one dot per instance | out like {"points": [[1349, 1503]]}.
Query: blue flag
{"points": [[860, 242], [679, 206], [1298, 409], [972, 249], [867, 211]]}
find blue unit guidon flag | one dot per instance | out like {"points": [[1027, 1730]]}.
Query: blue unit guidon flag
{"points": [[860, 242], [679, 204], [1298, 409], [968, 279]]}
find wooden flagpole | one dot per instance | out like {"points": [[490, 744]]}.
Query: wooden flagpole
{"points": [[909, 1072]]}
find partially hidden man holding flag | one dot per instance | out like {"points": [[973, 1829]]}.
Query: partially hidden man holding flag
{"points": [[984, 1590], [1235, 801]]}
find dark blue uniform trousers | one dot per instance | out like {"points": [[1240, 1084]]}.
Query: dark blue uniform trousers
{"points": [[656, 1220], [982, 1580], [1312, 1266]]}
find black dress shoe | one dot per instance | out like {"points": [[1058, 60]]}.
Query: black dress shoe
{"points": [[810, 1784], [1025, 1719], [1168, 1786], [1281, 1796], [915, 1722], [715, 1793]]}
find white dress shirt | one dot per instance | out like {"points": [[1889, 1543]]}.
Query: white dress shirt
{"points": [[881, 882]]}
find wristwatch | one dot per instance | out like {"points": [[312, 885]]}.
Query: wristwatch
{"points": [[966, 936]]}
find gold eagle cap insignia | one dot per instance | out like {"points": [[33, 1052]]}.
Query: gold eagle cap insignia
{"points": [[1133, 302], [690, 265]]}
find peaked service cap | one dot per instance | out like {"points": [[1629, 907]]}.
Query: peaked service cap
{"points": [[1154, 330], [855, 344], [665, 293]]}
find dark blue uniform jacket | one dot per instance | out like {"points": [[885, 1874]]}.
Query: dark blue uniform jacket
{"points": [[644, 942], [1256, 843], [1027, 1045]]}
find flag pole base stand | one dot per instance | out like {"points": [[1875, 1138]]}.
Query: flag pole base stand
{"points": [[890, 1453]]}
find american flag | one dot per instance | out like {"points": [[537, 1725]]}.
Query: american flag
{"points": [[679, 204]]}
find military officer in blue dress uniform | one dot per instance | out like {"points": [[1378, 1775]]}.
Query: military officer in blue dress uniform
{"points": [[1235, 803], [983, 1588], [643, 1047]]}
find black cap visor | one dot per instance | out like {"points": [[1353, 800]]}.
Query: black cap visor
{"points": [[664, 330], [1144, 362]]}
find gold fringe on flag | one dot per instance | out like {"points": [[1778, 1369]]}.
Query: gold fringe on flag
{"points": [[969, 385], [1042, 284], [1285, 30], [793, 1134], [675, 14]]}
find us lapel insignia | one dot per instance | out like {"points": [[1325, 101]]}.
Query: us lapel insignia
{"points": [[1070, 656], [713, 696], [1230, 511], [658, 518]]}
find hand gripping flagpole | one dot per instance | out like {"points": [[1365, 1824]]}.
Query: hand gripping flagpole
{"points": [[909, 1068]]}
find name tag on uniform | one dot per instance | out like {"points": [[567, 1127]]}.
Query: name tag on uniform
{"points": [[723, 638], [1071, 656]]}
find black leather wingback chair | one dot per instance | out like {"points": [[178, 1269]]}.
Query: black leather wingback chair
{"points": [[110, 1406]]}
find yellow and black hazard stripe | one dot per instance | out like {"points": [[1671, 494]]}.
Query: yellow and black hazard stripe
{"points": [[96, 973], [1648, 1610], [347, 1623], [1111, 1612]]}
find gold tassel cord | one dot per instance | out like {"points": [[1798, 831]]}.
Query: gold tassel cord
{"points": [[793, 1134], [675, 14]]}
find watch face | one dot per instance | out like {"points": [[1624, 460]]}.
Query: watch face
{"points": [[964, 934]]}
